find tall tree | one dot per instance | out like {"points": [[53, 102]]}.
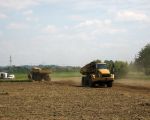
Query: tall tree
{"points": [[143, 59]]}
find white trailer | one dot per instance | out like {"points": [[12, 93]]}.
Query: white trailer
{"points": [[3, 75]]}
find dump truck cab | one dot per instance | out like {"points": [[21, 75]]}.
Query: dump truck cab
{"points": [[96, 73], [102, 69], [102, 73]]}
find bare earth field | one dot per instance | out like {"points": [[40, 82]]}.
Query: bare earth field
{"points": [[65, 99]]}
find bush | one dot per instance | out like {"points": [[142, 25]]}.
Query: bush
{"points": [[121, 69]]}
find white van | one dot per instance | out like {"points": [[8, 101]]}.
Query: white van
{"points": [[3, 75], [11, 76]]}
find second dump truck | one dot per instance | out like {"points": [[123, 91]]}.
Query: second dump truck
{"points": [[96, 73], [39, 74]]}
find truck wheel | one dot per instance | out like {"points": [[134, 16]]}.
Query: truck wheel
{"points": [[109, 84], [90, 83], [82, 82]]}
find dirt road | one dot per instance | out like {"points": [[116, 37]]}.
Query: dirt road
{"points": [[67, 100]]}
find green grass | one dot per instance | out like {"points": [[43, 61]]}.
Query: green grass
{"points": [[19, 77], [65, 74], [22, 77], [137, 75]]}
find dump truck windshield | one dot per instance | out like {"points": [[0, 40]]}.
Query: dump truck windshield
{"points": [[101, 66]]}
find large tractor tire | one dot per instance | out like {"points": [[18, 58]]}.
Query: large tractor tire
{"points": [[109, 84], [90, 82], [47, 77], [83, 82]]}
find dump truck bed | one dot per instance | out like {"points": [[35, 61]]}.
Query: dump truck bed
{"points": [[89, 68], [39, 70]]}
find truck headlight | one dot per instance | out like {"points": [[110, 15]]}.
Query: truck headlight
{"points": [[93, 76], [112, 76]]}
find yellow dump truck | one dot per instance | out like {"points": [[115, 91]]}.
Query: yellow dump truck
{"points": [[39, 74], [96, 73]]}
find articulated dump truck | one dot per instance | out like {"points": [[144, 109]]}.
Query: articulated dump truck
{"points": [[96, 73], [39, 74]]}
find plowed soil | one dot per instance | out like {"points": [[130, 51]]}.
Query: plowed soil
{"points": [[67, 100]]}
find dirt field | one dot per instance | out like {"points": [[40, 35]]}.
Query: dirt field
{"points": [[65, 99]]}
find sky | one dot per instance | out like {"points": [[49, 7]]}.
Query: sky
{"points": [[72, 32]]}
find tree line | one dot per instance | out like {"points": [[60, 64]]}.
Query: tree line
{"points": [[141, 63], [119, 68], [27, 68]]}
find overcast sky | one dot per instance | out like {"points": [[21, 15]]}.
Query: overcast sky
{"points": [[72, 32]]}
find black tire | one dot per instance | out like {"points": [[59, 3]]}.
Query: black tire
{"points": [[86, 81], [109, 84], [90, 82], [47, 78], [83, 82]]}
